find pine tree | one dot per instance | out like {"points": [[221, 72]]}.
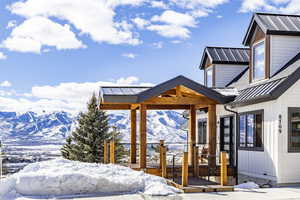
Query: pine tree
{"points": [[3, 160], [86, 142]]}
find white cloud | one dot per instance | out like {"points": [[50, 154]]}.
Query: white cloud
{"points": [[175, 24], [219, 16], [281, 6], [11, 24], [158, 45], [5, 84], [158, 4], [36, 32], [170, 31], [70, 97], [175, 18], [129, 55], [140, 22], [94, 18], [2, 56], [192, 4]]}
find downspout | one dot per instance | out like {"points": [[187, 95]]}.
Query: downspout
{"points": [[236, 141]]}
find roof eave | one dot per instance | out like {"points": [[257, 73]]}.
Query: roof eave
{"points": [[256, 19]]}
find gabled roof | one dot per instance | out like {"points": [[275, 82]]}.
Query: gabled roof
{"points": [[225, 55], [276, 24], [135, 95]]}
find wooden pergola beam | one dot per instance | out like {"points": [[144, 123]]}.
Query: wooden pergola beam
{"points": [[180, 100], [149, 107], [143, 136], [212, 135], [192, 133], [133, 136]]}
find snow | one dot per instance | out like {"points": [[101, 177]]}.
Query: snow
{"points": [[247, 185], [62, 177]]}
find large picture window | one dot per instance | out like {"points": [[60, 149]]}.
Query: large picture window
{"points": [[209, 77], [251, 130], [258, 61], [294, 130]]}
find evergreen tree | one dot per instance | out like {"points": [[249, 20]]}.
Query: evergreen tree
{"points": [[86, 142], [3, 160]]}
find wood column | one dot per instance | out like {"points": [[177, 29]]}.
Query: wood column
{"points": [[212, 135], [143, 136], [106, 147], [185, 170], [133, 136], [192, 133]]}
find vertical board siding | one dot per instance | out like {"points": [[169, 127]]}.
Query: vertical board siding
{"points": [[283, 49], [289, 170], [226, 73]]}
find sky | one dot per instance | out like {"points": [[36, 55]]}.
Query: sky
{"points": [[55, 53]]}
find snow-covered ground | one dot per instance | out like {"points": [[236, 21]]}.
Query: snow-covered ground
{"points": [[62, 177]]}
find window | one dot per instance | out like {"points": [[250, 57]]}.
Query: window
{"points": [[202, 131], [209, 78], [258, 61], [251, 130], [294, 130]]}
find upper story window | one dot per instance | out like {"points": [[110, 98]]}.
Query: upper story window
{"points": [[209, 77], [294, 130], [258, 61]]}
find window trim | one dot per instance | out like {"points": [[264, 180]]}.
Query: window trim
{"points": [[253, 61], [203, 120], [209, 68], [254, 136], [290, 110]]}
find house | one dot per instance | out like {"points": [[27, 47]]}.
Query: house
{"points": [[249, 105], [265, 76]]}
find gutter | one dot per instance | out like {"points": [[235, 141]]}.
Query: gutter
{"points": [[236, 142]]}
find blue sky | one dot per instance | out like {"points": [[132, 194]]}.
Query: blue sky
{"points": [[54, 53]]}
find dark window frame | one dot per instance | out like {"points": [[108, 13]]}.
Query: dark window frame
{"points": [[206, 135], [232, 138], [254, 148], [290, 111]]}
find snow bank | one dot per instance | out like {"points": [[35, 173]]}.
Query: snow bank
{"points": [[247, 185], [63, 177]]}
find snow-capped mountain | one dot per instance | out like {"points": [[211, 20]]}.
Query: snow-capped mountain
{"points": [[30, 137]]}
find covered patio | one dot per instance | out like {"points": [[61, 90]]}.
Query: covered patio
{"points": [[179, 93]]}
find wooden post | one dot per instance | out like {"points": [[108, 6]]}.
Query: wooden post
{"points": [[161, 145], [143, 137], [185, 169], [196, 161], [133, 136], [212, 129], [105, 152], [192, 133], [164, 162], [112, 152], [224, 178]]}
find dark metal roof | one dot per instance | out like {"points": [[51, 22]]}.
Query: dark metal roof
{"points": [[273, 88], [225, 55], [141, 94], [119, 94], [256, 93], [276, 24], [181, 80]]}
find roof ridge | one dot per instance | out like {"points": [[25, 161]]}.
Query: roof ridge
{"points": [[276, 14], [223, 47]]}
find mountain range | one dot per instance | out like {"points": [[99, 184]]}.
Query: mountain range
{"points": [[29, 136]]}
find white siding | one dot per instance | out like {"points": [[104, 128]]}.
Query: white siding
{"points": [[262, 164], [283, 48], [289, 170], [226, 73]]}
